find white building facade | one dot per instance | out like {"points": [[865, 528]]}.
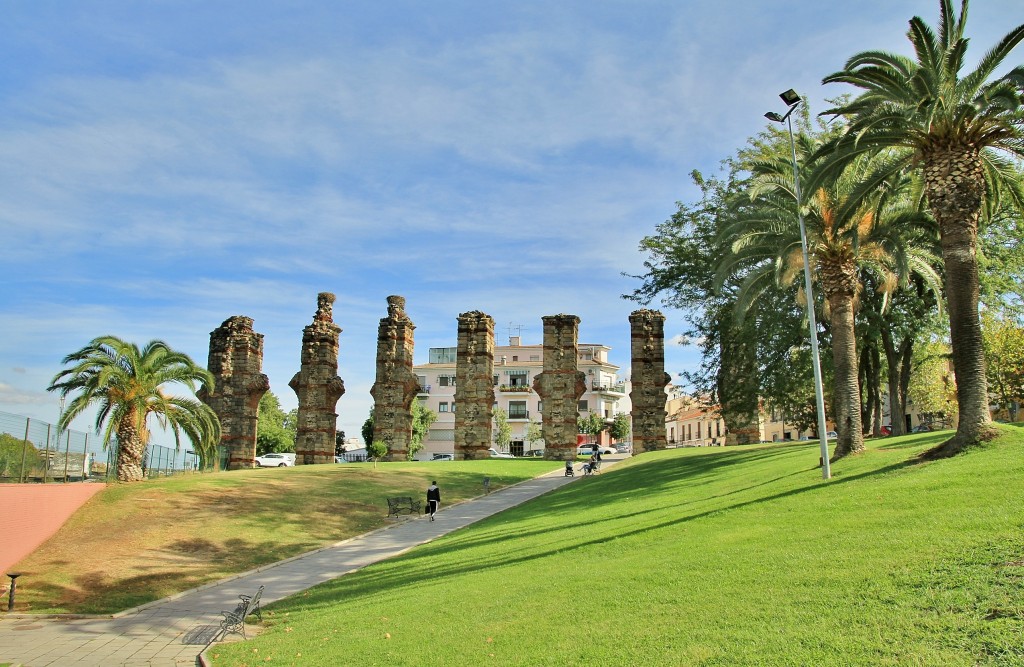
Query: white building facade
{"points": [[515, 367]]}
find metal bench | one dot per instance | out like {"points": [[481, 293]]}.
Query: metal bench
{"points": [[403, 504], [234, 620]]}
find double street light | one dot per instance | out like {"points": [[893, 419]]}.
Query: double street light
{"points": [[793, 100]]}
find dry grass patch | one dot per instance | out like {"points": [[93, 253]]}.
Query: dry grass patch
{"points": [[135, 543]]}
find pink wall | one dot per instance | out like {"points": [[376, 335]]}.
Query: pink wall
{"points": [[31, 513]]}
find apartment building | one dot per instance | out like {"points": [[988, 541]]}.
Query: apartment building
{"points": [[515, 367]]}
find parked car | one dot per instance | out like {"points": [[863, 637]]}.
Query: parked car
{"points": [[831, 435], [588, 449], [441, 456], [340, 459], [276, 460], [495, 454], [887, 429], [534, 452], [624, 447], [922, 428]]}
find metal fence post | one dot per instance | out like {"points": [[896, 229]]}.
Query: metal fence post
{"points": [[46, 459], [24, 449], [67, 456]]}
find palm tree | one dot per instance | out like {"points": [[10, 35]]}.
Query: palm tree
{"points": [[126, 385], [857, 223], [946, 125]]}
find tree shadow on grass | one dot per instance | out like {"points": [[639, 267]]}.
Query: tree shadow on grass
{"points": [[424, 566]]}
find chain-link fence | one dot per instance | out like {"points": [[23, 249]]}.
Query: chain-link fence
{"points": [[32, 450]]}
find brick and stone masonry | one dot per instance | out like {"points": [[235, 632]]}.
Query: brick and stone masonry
{"points": [[318, 386], [396, 386], [647, 336], [560, 386], [236, 362], [474, 386]]}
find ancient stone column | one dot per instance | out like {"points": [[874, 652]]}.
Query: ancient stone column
{"points": [[396, 385], [647, 333], [236, 361], [474, 386], [560, 386], [318, 386]]}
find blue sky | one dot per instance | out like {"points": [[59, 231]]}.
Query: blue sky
{"points": [[168, 164]]}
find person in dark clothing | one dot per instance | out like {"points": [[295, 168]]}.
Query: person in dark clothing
{"points": [[433, 499]]}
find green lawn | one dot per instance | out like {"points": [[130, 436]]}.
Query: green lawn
{"points": [[134, 543], [724, 556]]}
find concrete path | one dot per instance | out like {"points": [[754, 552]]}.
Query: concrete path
{"points": [[174, 630]]}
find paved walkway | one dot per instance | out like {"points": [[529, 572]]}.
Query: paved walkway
{"points": [[174, 630]]}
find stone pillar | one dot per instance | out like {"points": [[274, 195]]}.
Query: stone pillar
{"points": [[560, 386], [396, 386], [318, 386], [236, 361], [474, 386], [647, 333]]}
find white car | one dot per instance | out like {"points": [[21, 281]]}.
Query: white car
{"points": [[495, 454], [442, 456], [276, 460], [587, 450]]}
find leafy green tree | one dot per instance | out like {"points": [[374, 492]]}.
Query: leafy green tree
{"points": [[1004, 354], [502, 430], [946, 124], [339, 443], [271, 434], [534, 432], [621, 426], [127, 384], [14, 452], [932, 386], [422, 418], [377, 450], [367, 430], [591, 425]]}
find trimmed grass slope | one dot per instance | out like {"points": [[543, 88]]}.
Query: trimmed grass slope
{"points": [[737, 556], [134, 543]]}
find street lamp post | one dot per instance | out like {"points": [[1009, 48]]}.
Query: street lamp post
{"points": [[792, 100]]}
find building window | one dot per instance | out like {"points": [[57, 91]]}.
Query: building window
{"points": [[518, 378], [582, 406], [453, 406], [495, 380], [698, 430], [534, 357], [540, 406], [517, 410], [515, 357], [442, 407], [446, 380]]}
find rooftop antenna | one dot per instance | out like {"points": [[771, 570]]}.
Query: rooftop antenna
{"points": [[516, 329]]}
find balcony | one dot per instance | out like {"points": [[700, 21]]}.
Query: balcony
{"points": [[619, 388], [518, 414], [424, 389]]}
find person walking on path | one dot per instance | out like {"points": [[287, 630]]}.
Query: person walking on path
{"points": [[433, 499]]}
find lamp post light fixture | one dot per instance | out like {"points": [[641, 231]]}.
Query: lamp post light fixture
{"points": [[793, 100]]}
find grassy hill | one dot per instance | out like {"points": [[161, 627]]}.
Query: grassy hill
{"points": [[736, 556], [134, 543]]}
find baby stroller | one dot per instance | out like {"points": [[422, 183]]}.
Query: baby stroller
{"points": [[569, 471]]}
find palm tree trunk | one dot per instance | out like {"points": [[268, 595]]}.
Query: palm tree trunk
{"points": [[130, 449], [955, 187], [847, 384]]}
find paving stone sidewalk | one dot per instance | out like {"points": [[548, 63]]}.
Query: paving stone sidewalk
{"points": [[174, 630]]}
